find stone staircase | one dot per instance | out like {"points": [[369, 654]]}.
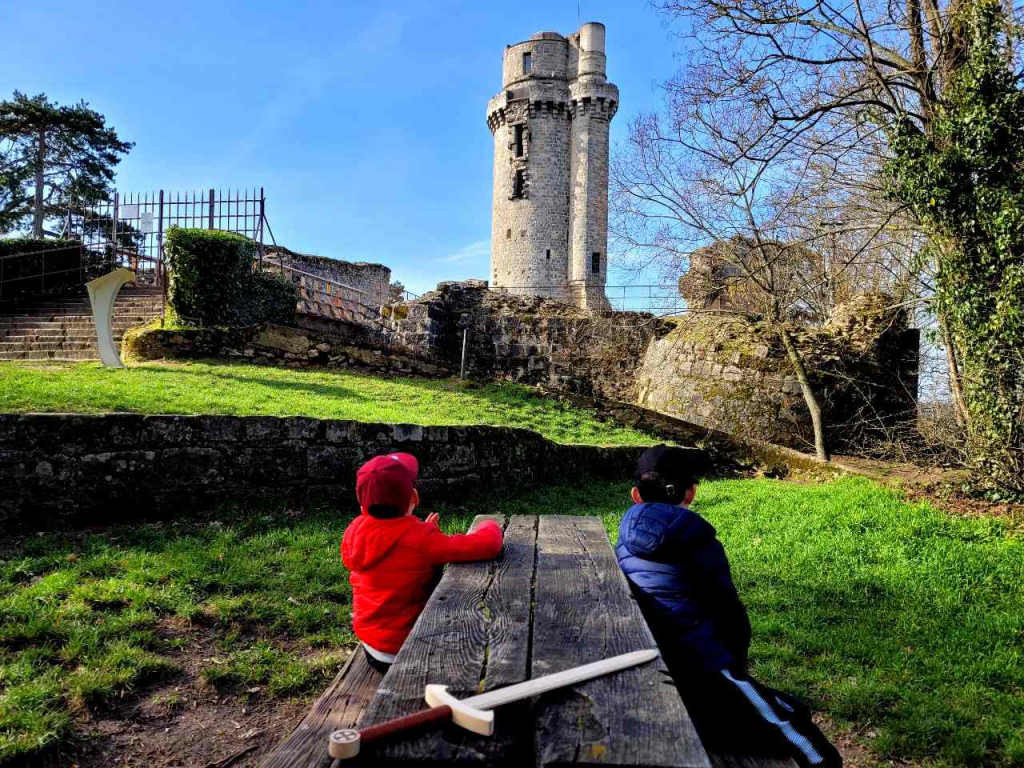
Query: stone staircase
{"points": [[52, 329]]}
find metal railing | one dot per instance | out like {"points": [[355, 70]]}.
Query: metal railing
{"points": [[324, 297], [30, 271], [659, 300]]}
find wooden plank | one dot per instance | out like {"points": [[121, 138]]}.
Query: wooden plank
{"points": [[472, 636], [583, 612], [340, 706], [728, 760]]}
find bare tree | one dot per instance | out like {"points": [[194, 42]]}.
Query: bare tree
{"points": [[775, 131]]}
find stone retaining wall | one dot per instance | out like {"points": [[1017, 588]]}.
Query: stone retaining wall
{"points": [[323, 342], [57, 469]]}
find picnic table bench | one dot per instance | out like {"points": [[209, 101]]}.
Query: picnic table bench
{"points": [[554, 599]]}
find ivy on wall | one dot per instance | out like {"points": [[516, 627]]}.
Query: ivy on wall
{"points": [[212, 281], [965, 181]]}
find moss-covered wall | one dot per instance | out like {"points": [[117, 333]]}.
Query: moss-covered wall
{"points": [[718, 370], [730, 373]]}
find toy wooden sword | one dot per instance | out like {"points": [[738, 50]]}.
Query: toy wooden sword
{"points": [[475, 713]]}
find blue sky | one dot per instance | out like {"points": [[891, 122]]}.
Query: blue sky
{"points": [[365, 122]]}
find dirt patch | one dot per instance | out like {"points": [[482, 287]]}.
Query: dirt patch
{"points": [[851, 745], [939, 486], [181, 721]]}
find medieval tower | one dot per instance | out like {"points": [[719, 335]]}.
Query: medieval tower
{"points": [[549, 218]]}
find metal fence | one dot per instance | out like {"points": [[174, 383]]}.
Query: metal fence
{"points": [[660, 300], [319, 295], [129, 229]]}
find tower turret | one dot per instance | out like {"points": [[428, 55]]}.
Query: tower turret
{"points": [[549, 228]]}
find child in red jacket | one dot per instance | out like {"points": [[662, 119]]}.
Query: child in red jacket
{"points": [[394, 559]]}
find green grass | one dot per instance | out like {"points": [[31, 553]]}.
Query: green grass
{"points": [[895, 619], [248, 390]]}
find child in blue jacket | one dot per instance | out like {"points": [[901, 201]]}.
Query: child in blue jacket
{"points": [[680, 575]]}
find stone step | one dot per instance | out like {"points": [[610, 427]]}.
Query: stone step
{"points": [[56, 355], [118, 317], [57, 326], [32, 338], [48, 346]]}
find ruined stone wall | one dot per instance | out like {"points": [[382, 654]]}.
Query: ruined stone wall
{"points": [[373, 280], [57, 469], [717, 370], [528, 339], [729, 373]]}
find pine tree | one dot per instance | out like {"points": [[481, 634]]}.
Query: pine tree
{"points": [[52, 156]]}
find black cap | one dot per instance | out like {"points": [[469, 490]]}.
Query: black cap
{"points": [[665, 472]]}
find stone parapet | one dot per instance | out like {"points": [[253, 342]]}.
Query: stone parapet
{"points": [[60, 469]]}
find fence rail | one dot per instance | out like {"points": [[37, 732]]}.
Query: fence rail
{"points": [[129, 229], [660, 300], [321, 296]]}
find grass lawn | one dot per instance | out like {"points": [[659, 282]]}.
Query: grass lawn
{"points": [[896, 620], [248, 390]]}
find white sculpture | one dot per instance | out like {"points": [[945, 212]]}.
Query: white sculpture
{"points": [[102, 295]]}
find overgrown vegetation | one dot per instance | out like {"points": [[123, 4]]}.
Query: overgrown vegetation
{"points": [[899, 622], [963, 180], [212, 281], [246, 390]]}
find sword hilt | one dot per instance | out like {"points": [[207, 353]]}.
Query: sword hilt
{"points": [[345, 744]]}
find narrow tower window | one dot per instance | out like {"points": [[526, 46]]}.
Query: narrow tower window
{"points": [[519, 184], [527, 64], [519, 140], [508, 234], [595, 262], [549, 254]]}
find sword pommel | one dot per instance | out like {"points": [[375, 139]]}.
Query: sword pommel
{"points": [[472, 719]]}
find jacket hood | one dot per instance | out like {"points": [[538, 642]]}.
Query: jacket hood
{"points": [[369, 539], [653, 529]]}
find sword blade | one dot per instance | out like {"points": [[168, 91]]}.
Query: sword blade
{"points": [[562, 679]]}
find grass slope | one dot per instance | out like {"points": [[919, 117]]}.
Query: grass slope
{"points": [[893, 618], [247, 390]]}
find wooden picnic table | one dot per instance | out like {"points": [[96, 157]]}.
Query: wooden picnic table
{"points": [[554, 599]]}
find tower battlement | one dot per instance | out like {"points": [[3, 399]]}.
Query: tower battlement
{"points": [[550, 122]]}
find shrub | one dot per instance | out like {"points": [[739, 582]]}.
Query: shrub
{"points": [[212, 281], [23, 259]]}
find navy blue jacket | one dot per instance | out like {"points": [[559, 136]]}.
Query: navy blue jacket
{"points": [[680, 575]]}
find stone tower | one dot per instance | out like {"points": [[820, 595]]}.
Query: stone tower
{"points": [[549, 218]]}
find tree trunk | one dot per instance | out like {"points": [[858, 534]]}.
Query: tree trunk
{"points": [[820, 448], [40, 166], [955, 387]]}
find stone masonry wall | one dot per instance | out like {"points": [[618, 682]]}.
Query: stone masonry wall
{"points": [[372, 279], [58, 469], [718, 371], [550, 191], [528, 339], [325, 343], [731, 374]]}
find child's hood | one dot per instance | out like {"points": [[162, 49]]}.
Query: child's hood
{"points": [[650, 530], [369, 539]]}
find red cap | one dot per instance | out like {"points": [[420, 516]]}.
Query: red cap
{"points": [[387, 480]]}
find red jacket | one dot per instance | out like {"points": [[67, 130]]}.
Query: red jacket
{"points": [[394, 565]]}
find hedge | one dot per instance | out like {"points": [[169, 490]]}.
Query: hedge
{"points": [[212, 281], [60, 261]]}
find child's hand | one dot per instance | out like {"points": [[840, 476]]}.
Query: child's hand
{"points": [[433, 517]]}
